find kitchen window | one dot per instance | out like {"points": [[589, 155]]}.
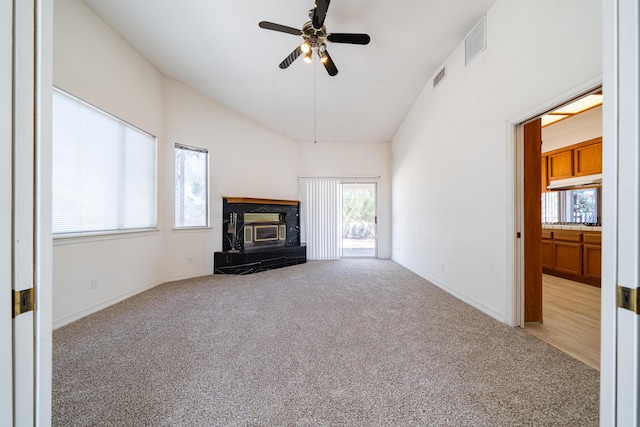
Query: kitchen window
{"points": [[571, 206]]}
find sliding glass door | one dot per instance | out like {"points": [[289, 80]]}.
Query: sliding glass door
{"points": [[359, 220]]}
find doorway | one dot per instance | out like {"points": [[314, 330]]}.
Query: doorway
{"points": [[359, 232], [562, 255]]}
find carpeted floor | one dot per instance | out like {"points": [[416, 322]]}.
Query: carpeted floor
{"points": [[328, 343]]}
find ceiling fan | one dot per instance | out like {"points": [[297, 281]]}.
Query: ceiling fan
{"points": [[315, 38]]}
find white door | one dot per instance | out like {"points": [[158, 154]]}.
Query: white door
{"points": [[620, 392], [18, 115], [6, 89]]}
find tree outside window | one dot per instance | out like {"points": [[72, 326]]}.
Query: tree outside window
{"points": [[191, 187]]}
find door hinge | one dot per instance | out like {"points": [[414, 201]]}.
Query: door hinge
{"points": [[23, 301], [627, 298]]}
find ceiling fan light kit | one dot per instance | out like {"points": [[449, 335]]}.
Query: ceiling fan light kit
{"points": [[315, 38]]}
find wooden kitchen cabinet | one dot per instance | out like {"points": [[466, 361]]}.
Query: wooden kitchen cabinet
{"points": [[592, 256], [575, 160], [560, 165], [572, 254], [544, 176], [567, 257], [592, 261], [588, 158], [547, 254]]}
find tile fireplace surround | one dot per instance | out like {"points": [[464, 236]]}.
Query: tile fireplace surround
{"points": [[241, 256]]}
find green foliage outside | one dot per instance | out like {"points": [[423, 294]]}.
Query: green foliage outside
{"points": [[584, 206], [358, 210]]}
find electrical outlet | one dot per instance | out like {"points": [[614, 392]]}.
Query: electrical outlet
{"points": [[442, 267], [94, 283], [189, 260]]}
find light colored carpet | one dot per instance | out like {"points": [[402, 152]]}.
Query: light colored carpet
{"points": [[328, 343]]}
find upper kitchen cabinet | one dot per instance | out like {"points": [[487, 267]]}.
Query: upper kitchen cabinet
{"points": [[575, 160], [544, 176], [572, 140], [560, 164], [588, 157]]}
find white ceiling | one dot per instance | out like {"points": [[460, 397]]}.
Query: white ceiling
{"points": [[216, 47]]}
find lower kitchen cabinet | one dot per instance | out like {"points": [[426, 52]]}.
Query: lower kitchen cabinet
{"points": [[568, 257], [592, 261], [547, 253], [572, 254]]}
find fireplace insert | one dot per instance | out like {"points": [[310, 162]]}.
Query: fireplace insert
{"points": [[261, 233]]}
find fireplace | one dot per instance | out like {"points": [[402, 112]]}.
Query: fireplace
{"points": [[258, 235], [260, 229]]}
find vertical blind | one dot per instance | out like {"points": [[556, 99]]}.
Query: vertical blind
{"points": [[320, 217], [104, 170]]}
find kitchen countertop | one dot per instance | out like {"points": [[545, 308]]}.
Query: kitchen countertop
{"points": [[572, 227]]}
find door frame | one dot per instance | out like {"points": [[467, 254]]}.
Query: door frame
{"points": [[6, 120], [515, 197], [26, 44], [620, 375], [375, 190]]}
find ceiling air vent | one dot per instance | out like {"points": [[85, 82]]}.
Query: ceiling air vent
{"points": [[441, 75], [475, 42]]}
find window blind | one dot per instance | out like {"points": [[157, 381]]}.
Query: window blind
{"points": [[104, 170]]}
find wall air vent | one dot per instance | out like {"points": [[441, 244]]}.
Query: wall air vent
{"points": [[441, 75], [475, 42]]}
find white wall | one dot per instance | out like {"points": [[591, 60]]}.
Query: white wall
{"points": [[573, 130], [453, 157], [92, 62], [354, 160], [95, 64], [245, 160]]}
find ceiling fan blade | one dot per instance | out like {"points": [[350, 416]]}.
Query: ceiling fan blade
{"points": [[292, 57], [351, 38], [320, 9], [280, 28], [329, 65]]}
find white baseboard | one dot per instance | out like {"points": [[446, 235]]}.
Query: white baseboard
{"points": [[186, 276], [490, 311], [65, 320]]}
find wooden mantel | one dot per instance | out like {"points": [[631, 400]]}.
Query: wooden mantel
{"points": [[256, 201]]}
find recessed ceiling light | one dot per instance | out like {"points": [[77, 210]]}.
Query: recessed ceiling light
{"points": [[581, 105], [552, 118]]}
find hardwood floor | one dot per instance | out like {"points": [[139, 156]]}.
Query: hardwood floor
{"points": [[571, 319]]}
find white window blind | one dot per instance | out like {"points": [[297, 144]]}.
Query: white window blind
{"points": [[320, 217], [191, 186], [104, 171]]}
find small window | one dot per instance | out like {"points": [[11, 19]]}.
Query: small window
{"points": [[582, 205], [577, 206], [191, 187], [104, 171]]}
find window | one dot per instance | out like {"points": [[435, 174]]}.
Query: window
{"points": [[550, 207], [104, 171], [571, 206], [192, 189]]}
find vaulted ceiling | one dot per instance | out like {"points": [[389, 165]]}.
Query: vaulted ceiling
{"points": [[216, 47]]}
